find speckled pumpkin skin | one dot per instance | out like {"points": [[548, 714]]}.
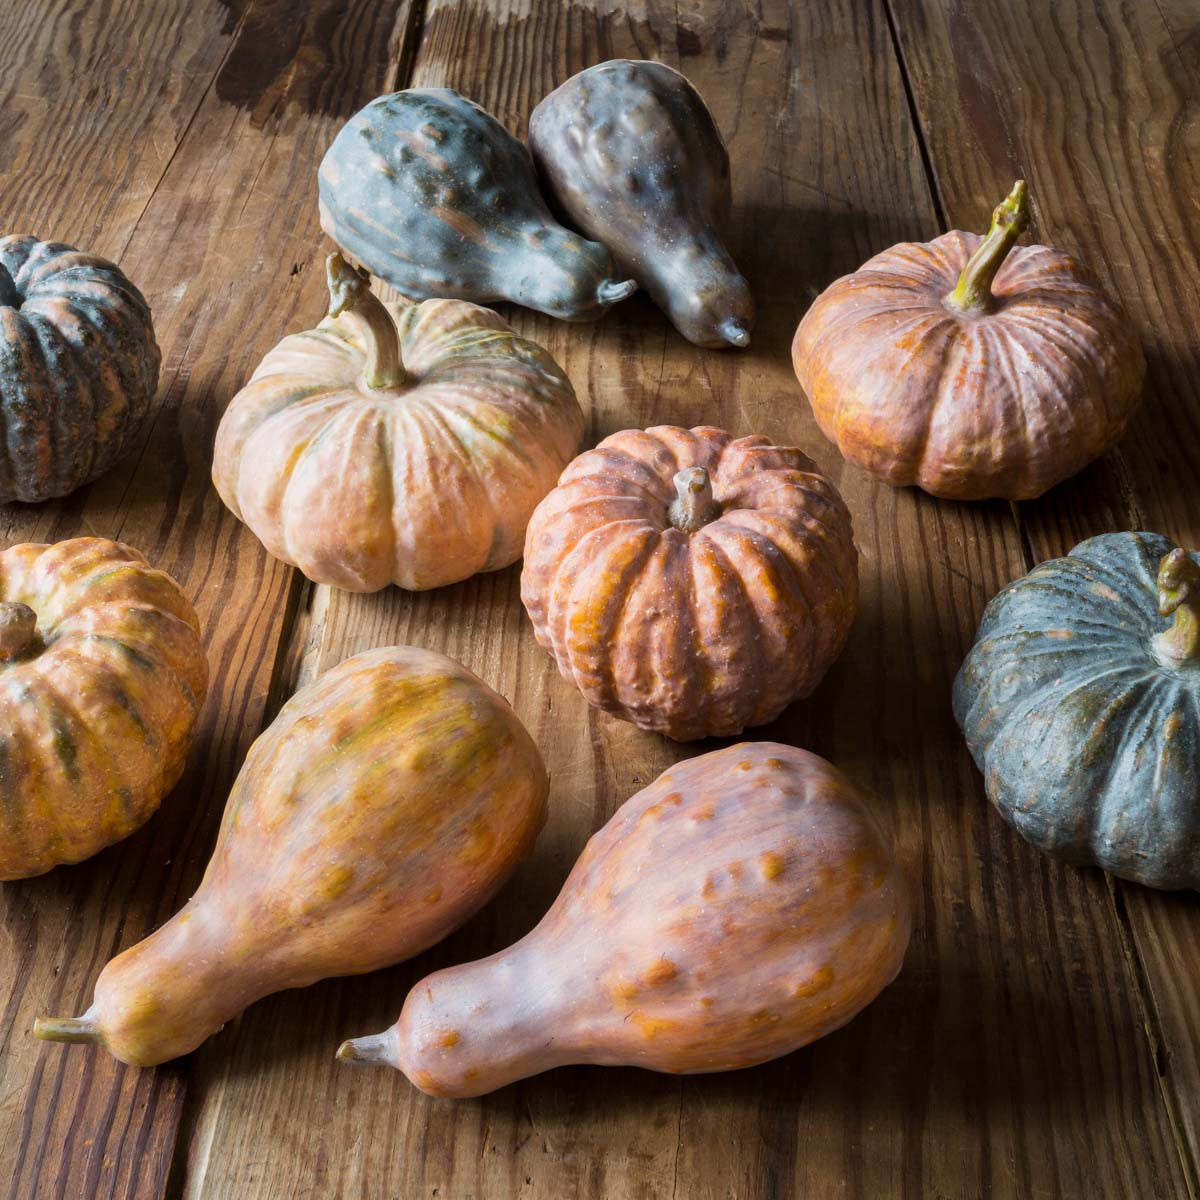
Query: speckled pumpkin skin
{"points": [[1001, 404], [433, 194], [385, 804], [1089, 746], [631, 154], [420, 485], [78, 367], [741, 906], [97, 710], [691, 634]]}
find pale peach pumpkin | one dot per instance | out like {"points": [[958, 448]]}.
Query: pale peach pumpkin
{"points": [[102, 673], [971, 367], [399, 443], [689, 581], [383, 806], [741, 906]]}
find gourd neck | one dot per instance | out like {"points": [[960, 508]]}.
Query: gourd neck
{"points": [[1179, 595], [973, 293], [694, 505], [18, 622], [351, 298]]}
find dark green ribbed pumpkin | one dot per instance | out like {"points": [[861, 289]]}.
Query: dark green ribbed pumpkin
{"points": [[433, 194], [1080, 701], [78, 367]]}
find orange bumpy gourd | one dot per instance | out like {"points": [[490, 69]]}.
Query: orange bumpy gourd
{"points": [[741, 906]]}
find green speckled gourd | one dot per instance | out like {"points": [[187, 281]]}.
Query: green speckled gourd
{"points": [[78, 367], [433, 194], [634, 158], [1080, 701]]}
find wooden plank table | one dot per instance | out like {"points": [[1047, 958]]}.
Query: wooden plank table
{"points": [[1041, 1039]]}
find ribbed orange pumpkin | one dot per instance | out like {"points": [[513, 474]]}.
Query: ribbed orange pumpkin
{"points": [[101, 675], [691, 582], [399, 443], [970, 366]]}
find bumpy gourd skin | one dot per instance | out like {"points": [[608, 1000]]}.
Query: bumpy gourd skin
{"points": [[695, 627], [102, 673], [741, 906], [385, 804], [633, 157], [78, 367], [1087, 734], [433, 194]]}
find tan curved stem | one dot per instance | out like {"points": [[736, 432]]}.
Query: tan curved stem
{"points": [[351, 298]]}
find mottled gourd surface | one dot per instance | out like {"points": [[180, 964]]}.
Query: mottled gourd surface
{"points": [[383, 806], [78, 367], [404, 444], [433, 194], [689, 581], [101, 675], [632, 156], [741, 906], [1080, 701], [1000, 390]]}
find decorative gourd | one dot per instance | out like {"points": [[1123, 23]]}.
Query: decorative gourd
{"points": [[434, 195], [741, 906], [385, 804], [101, 675], [632, 155], [691, 582], [78, 367], [1080, 701], [398, 443], [969, 367]]}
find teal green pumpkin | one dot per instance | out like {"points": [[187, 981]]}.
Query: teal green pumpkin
{"points": [[434, 195], [1080, 702], [78, 367]]}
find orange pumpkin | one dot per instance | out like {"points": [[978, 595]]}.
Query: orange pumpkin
{"points": [[101, 675], [741, 906], [399, 443], [970, 366], [689, 581]]}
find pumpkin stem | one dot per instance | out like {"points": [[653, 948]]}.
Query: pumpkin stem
{"points": [[67, 1029], [613, 290], [9, 296], [369, 1050], [350, 297], [1179, 593], [1009, 218], [693, 506], [17, 623]]}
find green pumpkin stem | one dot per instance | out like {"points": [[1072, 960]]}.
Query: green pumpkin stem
{"points": [[974, 291], [1179, 595], [66, 1029], [693, 506], [350, 297]]}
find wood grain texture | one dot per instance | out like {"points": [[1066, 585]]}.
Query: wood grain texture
{"points": [[211, 209], [1096, 106], [1008, 1059]]}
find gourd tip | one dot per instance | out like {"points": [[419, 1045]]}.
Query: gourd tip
{"points": [[734, 332], [66, 1029], [367, 1050], [612, 290]]}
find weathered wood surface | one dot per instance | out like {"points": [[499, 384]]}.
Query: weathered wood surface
{"points": [[1039, 1040]]}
